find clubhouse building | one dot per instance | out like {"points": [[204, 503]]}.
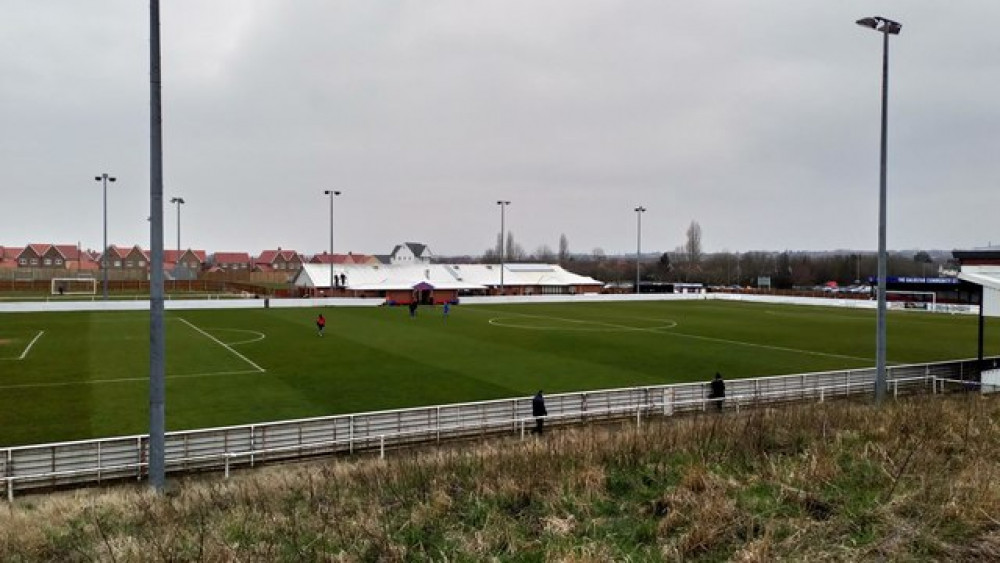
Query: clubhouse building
{"points": [[427, 283]]}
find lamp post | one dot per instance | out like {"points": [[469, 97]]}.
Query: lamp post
{"points": [[104, 178], [886, 28], [638, 242], [179, 201], [503, 250], [332, 194]]}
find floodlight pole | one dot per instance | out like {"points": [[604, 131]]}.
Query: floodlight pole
{"points": [[332, 194], [503, 250], [886, 27], [104, 252], [179, 201], [157, 342], [638, 242]]}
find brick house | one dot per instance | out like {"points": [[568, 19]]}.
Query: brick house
{"points": [[278, 260], [231, 262], [127, 263]]}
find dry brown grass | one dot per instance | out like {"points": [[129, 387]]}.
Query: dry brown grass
{"points": [[915, 480]]}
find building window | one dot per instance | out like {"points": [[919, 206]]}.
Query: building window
{"points": [[59, 261], [47, 261], [142, 263], [34, 261], [128, 264], [118, 263], [23, 261]]}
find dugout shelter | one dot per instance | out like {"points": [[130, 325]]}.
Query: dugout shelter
{"points": [[981, 266]]}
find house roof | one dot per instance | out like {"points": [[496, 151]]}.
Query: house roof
{"points": [[349, 258], [175, 255], [270, 256], [416, 248], [231, 257], [10, 252]]}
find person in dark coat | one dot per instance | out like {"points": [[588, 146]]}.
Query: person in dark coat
{"points": [[413, 308], [718, 391], [538, 411], [320, 324]]}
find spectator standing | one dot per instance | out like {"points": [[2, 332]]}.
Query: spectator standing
{"points": [[538, 411], [718, 394]]}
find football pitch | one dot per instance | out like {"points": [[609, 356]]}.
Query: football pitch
{"points": [[68, 376]]}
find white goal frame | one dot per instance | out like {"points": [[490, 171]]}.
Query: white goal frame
{"points": [[74, 286], [933, 301]]}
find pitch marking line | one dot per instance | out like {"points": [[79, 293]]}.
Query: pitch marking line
{"points": [[260, 335], [224, 345], [123, 380], [657, 330], [608, 327], [24, 354]]}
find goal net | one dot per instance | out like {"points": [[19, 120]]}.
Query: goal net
{"points": [[74, 286]]}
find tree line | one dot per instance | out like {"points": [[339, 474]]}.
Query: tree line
{"points": [[689, 263]]}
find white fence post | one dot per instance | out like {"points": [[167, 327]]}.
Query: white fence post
{"points": [[381, 446], [10, 488], [350, 436], [141, 455], [227, 464]]}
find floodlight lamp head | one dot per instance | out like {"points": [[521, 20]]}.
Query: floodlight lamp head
{"points": [[111, 178], [880, 24], [868, 22], [98, 178]]}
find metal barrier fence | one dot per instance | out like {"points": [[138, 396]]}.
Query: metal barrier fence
{"points": [[82, 463]]}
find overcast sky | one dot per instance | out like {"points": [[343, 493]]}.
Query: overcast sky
{"points": [[758, 119]]}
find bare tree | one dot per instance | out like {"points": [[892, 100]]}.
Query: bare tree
{"points": [[515, 252], [563, 249], [544, 254], [693, 245]]}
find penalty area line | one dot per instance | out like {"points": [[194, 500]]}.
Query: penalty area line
{"points": [[27, 349], [224, 345]]}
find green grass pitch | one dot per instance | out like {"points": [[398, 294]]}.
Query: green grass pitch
{"points": [[67, 376]]}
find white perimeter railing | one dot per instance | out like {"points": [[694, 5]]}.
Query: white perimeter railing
{"points": [[87, 462]]}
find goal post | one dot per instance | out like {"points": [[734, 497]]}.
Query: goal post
{"points": [[74, 286]]}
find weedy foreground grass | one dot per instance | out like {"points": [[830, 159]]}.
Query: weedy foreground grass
{"points": [[918, 479]]}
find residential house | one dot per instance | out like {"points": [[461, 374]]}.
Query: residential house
{"points": [[127, 263], [230, 262], [281, 261], [184, 264], [410, 253]]}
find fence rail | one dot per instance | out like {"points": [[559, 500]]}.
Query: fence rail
{"points": [[82, 463]]}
